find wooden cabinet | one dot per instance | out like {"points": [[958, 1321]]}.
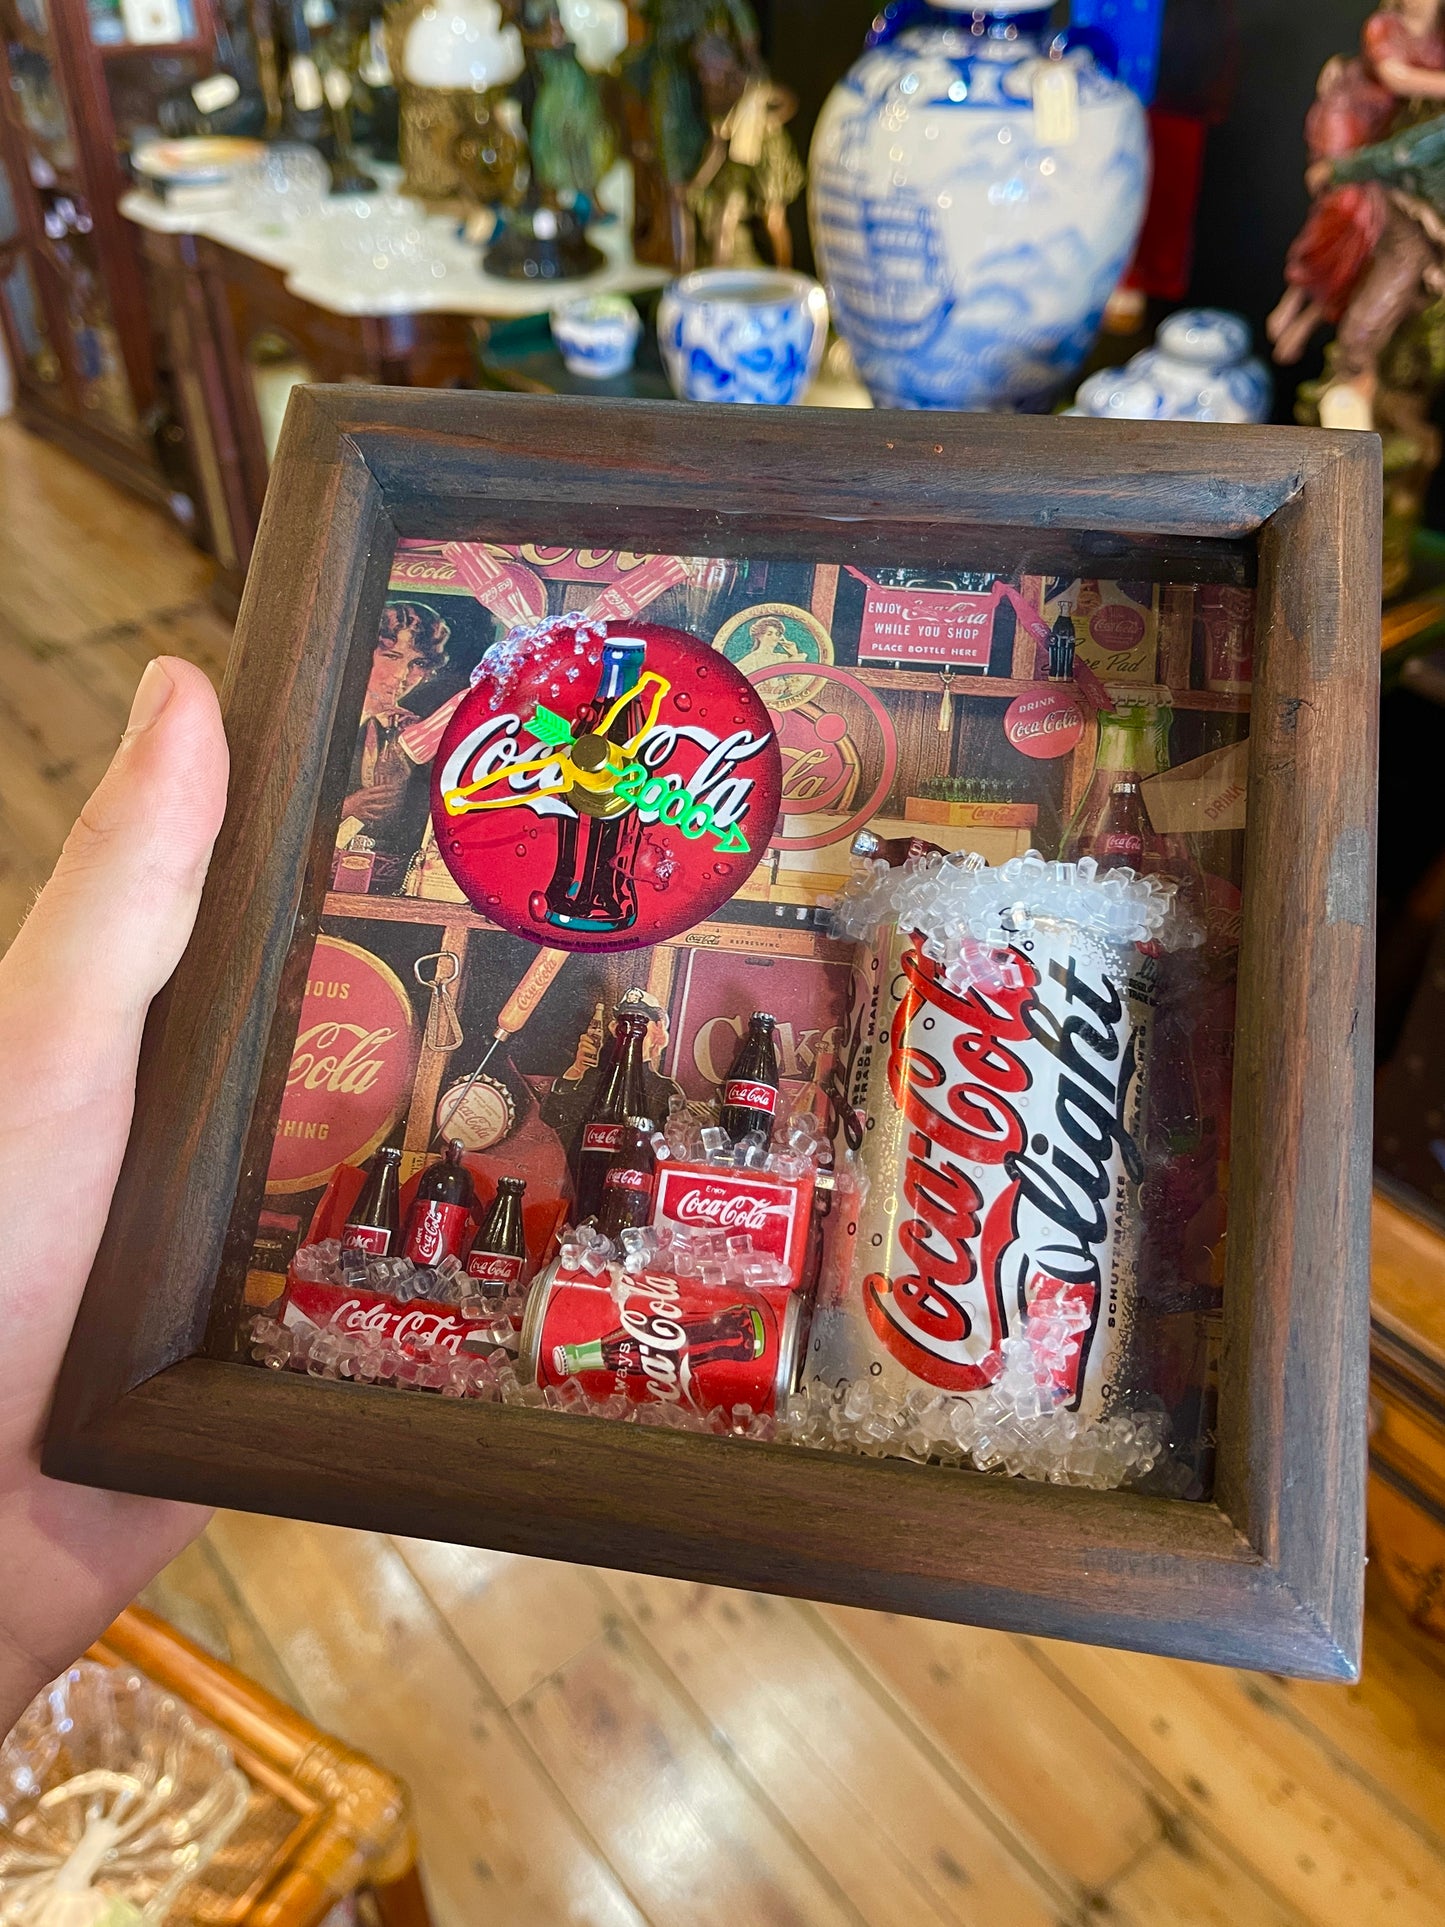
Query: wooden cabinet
{"points": [[72, 299], [1407, 1413], [239, 340]]}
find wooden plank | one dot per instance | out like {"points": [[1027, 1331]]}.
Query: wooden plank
{"points": [[1296, 1303], [480, 451], [519, 1619], [908, 1840], [1064, 1784], [1317, 1832], [1186, 1881], [1408, 1281], [375, 1664], [1389, 1730], [831, 1526], [196, 1595], [49, 497], [684, 1832]]}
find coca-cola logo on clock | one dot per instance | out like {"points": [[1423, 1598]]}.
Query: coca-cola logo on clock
{"points": [[351, 1067], [605, 786]]}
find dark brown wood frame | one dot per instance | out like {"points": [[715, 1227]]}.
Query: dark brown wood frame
{"points": [[1271, 1574]]}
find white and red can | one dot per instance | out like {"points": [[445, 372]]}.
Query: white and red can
{"points": [[775, 1212], [996, 1128], [654, 1339]]}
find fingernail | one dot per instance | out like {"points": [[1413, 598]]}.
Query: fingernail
{"points": [[155, 691]]}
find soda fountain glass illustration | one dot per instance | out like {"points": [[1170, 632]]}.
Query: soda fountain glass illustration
{"points": [[977, 189]]}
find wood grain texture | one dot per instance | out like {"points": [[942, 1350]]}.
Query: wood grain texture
{"points": [[1272, 1578], [1292, 1440]]}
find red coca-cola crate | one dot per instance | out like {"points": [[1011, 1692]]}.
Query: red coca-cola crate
{"points": [[415, 1327], [776, 1213]]}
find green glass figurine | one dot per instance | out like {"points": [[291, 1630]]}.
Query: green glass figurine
{"points": [[571, 142]]}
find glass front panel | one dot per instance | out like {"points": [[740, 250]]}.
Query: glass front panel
{"points": [[824, 978], [37, 99], [23, 305]]}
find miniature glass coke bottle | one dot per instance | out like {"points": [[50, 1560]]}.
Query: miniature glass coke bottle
{"points": [[750, 1090], [627, 1189], [499, 1256], [442, 1212], [373, 1225], [622, 1094]]}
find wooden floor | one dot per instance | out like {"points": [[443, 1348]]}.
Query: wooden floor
{"points": [[590, 1748]]}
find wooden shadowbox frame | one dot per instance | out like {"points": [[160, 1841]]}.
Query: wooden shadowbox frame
{"points": [[152, 1398]]}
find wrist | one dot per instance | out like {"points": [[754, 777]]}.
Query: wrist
{"points": [[20, 1680]]}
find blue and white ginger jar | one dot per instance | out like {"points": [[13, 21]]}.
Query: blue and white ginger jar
{"points": [[967, 259]]}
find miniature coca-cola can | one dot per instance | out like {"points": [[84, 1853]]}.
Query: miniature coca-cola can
{"points": [[668, 1341], [996, 1129], [774, 1212]]}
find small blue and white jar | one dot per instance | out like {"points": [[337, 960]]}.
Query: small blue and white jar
{"points": [[743, 335], [977, 186], [597, 336], [1200, 369]]}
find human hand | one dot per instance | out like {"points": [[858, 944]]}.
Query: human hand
{"points": [[105, 934]]}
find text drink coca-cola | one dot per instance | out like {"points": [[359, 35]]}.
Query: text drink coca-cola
{"points": [[997, 1131], [653, 1339]]}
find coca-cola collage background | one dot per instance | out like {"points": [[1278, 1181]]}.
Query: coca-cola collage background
{"points": [[952, 707]]}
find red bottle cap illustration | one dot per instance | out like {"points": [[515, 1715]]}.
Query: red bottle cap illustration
{"points": [[605, 786]]}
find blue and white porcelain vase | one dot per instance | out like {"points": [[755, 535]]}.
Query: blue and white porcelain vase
{"points": [[977, 189]]}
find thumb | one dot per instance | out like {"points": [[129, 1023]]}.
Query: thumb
{"points": [[110, 925]]}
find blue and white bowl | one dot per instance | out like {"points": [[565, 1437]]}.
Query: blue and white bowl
{"points": [[597, 336], [743, 334]]}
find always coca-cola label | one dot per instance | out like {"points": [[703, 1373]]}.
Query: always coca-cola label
{"points": [[602, 1137], [661, 1340], [744, 1095], [495, 1267], [370, 1238], [1019, 1165], [435, 1231], [410, 1327], [774, 1212]]}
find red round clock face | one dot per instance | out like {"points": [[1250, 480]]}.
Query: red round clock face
{"points": [[605, 787]]}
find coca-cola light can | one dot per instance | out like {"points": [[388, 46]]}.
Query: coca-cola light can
{"points": [[661, 1340], [994, 1128]]}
